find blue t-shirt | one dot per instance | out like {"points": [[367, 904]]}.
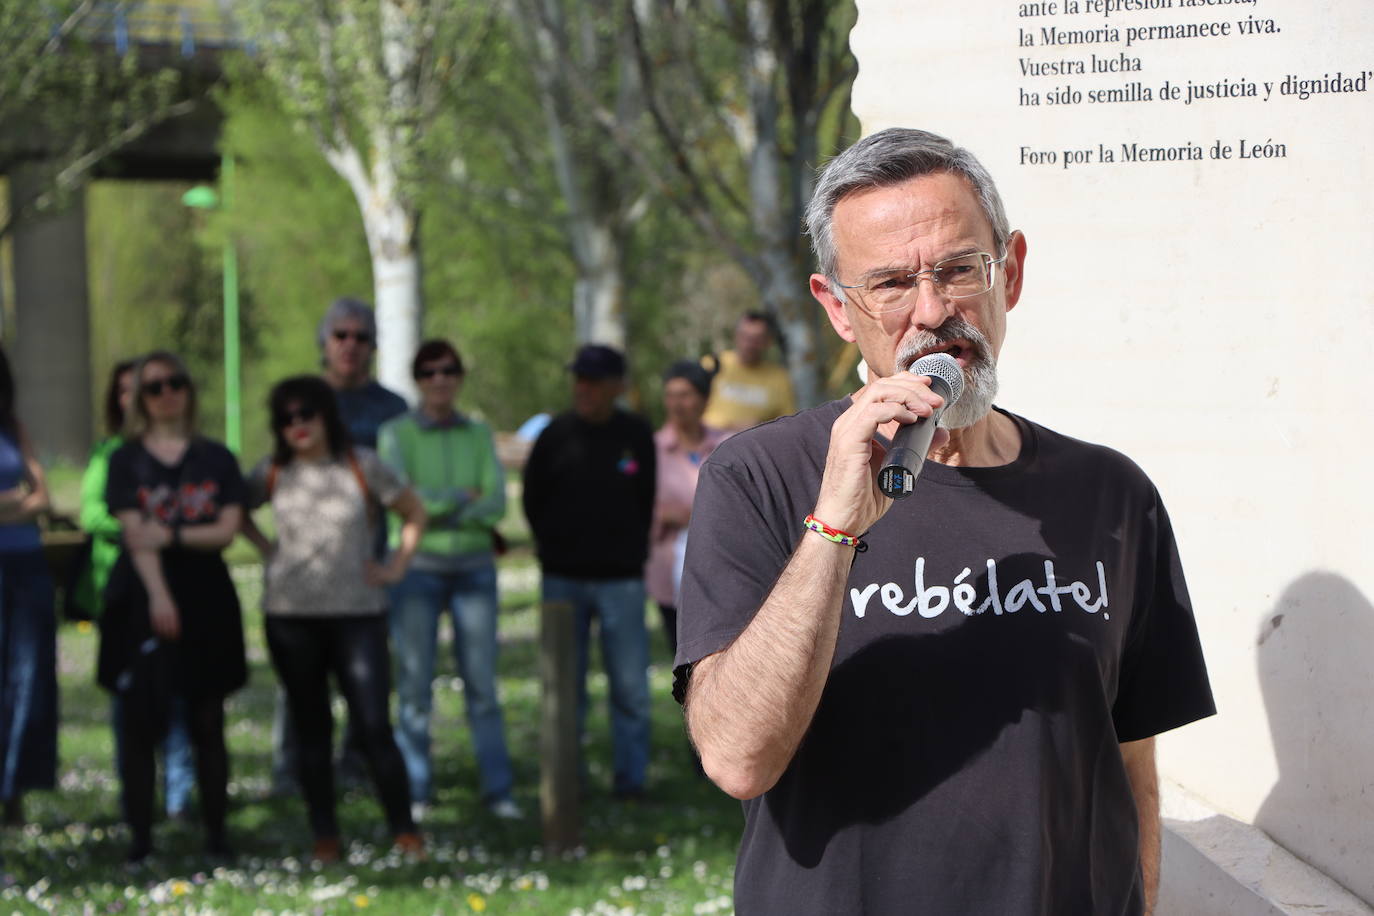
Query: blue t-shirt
{"points": [[22, 537], [363, 410]]}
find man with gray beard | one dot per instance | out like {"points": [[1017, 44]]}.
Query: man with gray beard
{"points": [[945, 704]]}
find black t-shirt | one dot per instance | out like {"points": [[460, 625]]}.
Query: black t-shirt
{"points": [[208, 658], [1006, 629], [589, 496], [191, 492]]}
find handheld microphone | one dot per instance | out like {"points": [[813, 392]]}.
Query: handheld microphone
{"points": [[907, 455]]}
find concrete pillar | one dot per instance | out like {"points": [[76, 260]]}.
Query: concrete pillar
{"points": [[51, 347]]}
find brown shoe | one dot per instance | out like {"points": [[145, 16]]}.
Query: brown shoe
{"points": [[326, 850], [411, 845]]}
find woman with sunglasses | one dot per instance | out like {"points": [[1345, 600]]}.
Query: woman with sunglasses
{"points": [[323, 598], [178, 770], [171, 626], [450, 460], [28, 626]]}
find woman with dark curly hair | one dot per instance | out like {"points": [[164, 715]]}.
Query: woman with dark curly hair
{"points": [[171, 629], [28, 626], [323, 595]]}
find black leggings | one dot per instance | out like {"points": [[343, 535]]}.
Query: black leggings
{"points": [[305, 651], [143, 730]]}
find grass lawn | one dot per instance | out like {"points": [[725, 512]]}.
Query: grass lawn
{"points": [[672, 853]]}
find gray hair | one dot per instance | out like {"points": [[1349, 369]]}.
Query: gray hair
{"points": [[345, 307], [891, 157]]}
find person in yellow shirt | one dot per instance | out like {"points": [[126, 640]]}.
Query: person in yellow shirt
{"points": [[749, 388]]}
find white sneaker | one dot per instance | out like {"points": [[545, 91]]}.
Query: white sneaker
{"points": [[506, 809], [419, 812]]}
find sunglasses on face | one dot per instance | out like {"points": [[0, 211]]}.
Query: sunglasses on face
{"points": [[361, 337], [176, 382], [299, 415], [451, 371]]}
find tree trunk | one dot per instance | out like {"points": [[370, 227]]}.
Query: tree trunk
{"points": [[390, 224], [396, 285], [583, 179], [598, 295], [786, 296], [782, 285]]}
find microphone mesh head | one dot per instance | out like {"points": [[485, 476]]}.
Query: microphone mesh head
{"points": [[944, 367]]}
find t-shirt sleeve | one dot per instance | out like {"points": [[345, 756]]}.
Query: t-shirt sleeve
{"points": [[648, 477], [534, 489], [121, 484], [1163, 682], [384, 483], [255, 485], [735, 553], [232, 489]]}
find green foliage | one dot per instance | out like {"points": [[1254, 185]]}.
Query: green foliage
{"points": [[66, 98], [299, 239], [366, 74], [497, 267]]}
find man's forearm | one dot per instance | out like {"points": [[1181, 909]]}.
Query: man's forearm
{"points": [[749, 705], [1139, 758]]}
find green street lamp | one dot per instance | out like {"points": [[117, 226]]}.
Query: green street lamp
{"points": [[203, 197]]}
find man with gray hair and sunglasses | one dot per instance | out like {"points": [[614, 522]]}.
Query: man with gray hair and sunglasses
{"points": [[945, 703]]}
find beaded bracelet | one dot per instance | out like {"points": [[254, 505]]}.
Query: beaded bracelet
{"points": [[834, 534]]}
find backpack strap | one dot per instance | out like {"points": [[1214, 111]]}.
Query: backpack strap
{"points": [[357, 468]]}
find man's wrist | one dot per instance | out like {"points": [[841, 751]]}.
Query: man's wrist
{"points": [[834, 535]]}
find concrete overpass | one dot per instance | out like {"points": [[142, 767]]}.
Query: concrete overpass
{"points": [[51, 348]]}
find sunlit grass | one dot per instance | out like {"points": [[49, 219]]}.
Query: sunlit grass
{"points": [[673, 853]]}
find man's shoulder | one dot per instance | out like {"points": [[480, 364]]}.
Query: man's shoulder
{"points": [[376, 396], [781, 441], [1068, 455], [632, 421], [382, 396]]}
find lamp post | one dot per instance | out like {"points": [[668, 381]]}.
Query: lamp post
{"points": [[204, 197]]}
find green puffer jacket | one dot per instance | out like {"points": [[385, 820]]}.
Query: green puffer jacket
{"points": [[454, 470], [103, 528]]}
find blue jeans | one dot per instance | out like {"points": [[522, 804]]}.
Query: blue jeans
{"points": [[417, 602], [28, 675], [178, 765], [619, 604]]}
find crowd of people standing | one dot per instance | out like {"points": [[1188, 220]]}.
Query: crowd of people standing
{"points": [[383, 521]]}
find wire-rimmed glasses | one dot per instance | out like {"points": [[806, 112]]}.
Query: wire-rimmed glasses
{"points": [[894, 290]]}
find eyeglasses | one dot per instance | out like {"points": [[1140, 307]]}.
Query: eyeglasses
{"points": [[299, 415], [361, 337], [954, 278], [450, 370], [176, 382]]}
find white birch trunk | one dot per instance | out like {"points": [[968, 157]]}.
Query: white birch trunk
{"points": [[396, 285], [389, 224]]}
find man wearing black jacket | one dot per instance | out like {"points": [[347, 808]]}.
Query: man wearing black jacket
{"points": [[589, 498]]}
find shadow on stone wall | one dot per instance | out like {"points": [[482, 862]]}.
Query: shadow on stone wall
{"points": [[1316, 670]]}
